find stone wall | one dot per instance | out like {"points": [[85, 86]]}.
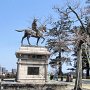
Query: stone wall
{"points": [[46, 86]]}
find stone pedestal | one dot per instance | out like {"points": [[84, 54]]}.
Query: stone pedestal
{"points": [[32, 64]]}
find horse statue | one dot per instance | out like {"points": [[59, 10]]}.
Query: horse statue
{"points": [[30, 33]]}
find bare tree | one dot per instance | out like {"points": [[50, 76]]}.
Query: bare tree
{"points": [[82, 37]]}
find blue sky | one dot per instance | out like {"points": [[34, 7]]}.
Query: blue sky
{"points": [[19, 14]]}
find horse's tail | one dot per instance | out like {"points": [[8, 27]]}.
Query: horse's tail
{"points": [[19, 30]]}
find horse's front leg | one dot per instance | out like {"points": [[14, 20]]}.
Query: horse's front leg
{"points": [[37, 41], [43, 40], [28, 40], [22, 40]]}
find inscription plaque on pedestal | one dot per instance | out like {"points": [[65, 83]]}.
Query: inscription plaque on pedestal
{"points": [[33, 71]]}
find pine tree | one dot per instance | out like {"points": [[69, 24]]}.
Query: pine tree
{"points": [[58, 39]]}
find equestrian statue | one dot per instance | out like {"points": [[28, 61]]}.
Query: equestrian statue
{"points": [[33, 32]]}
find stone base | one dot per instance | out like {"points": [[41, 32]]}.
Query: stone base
{"points": [[32, 64]]}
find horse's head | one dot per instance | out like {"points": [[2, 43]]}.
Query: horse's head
{"points": [[42, 28]]}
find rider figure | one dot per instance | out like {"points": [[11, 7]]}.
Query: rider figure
{"points": [[34, 26]]}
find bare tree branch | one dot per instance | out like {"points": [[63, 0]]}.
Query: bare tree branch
{"points": [[83, 28]]}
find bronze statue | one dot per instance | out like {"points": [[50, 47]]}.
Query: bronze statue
{"points": [[31, 33]]}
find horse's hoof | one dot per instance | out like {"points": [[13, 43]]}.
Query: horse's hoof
{"points": [[21, 44], [29, 44]]}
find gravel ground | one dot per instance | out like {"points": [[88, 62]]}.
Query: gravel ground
{"points": [[72, 87], [85, 84]]}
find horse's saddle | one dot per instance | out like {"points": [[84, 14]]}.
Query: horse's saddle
{"points": [[34, 33]]}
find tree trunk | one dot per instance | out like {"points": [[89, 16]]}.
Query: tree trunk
{"points": [[88, 56], [60, 66], [78, 82], [82, 73], [87, 70], [88, 43]]}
